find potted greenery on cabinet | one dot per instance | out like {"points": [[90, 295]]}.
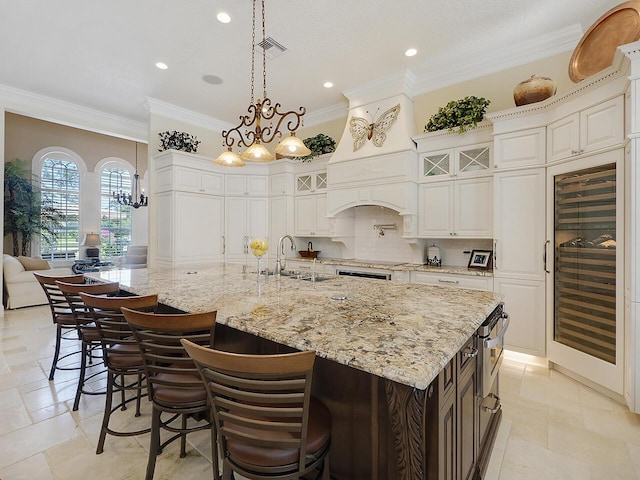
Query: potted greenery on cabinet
{"points": [[463, 114], [319, 145]]}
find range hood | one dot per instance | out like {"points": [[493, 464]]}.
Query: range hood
{"points": [[384, 175]]}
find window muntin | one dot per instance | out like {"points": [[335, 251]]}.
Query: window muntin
{"points": [[115, 219], [60, 190]]}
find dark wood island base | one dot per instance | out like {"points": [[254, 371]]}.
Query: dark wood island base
{"points": [[384, 430]]}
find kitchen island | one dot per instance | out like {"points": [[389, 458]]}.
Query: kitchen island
{"points": [[381, 345]]}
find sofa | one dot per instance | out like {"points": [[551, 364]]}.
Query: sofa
{"points": [[21, 287], [136, 257]]}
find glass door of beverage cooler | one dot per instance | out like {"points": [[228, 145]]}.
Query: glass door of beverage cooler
{"points": [[586, 330]]}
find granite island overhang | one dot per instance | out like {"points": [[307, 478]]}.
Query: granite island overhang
{"points": [[402, 333]]}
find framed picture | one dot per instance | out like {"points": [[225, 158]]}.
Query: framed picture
{"points": [[480, 259]]}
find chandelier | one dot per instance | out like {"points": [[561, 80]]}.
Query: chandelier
{"points": [[252, 132], [133, 199]]}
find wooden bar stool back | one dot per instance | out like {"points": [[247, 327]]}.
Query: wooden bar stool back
{"points": [[121, 354], [173, 381], [88, 332], [61, 315], [268, 424]]}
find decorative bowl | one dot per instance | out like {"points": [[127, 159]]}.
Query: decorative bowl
{"points": [[309, 253]]}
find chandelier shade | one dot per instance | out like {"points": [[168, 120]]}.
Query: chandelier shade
{"points": [[229, 159], [264, 122], [292, 146]]}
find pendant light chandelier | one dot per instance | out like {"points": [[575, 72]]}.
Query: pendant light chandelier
{"points": [[133, 199], [255, 133]]}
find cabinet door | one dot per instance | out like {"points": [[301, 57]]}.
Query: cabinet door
{"points": [[447, 451], [304, 184], [602, 125], [235, 233], [519, 224], [467, 425], [436, 210], [235, 184], [198, 227], [563, 138], [525, 302], [212, 183], [257, 185], [473, 159], [320, 181], [473, 207], [436, 165], [280, 221], [165, 227], [257, 222], [520, 149], [305, 215], [323, 224], [187, 179]]}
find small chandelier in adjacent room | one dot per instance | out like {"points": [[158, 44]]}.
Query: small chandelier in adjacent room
{"points": [[251, 132], [133, 199]]}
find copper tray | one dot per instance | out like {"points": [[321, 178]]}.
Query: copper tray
{"points": [[596, 49]]}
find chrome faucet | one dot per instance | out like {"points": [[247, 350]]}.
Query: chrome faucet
{"points": [[280, 264]]}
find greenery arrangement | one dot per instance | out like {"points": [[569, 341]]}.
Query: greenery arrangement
{"points": [[464, 114], [319, 145], [178, 141], [24, 215]]}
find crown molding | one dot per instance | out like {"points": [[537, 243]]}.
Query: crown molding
{"points": [[54, 110], [522, 53], [327, 114], [164, 109], [392, 85]]}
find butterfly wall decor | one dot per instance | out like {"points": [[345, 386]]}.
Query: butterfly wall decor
{"points": [[361, 129]]}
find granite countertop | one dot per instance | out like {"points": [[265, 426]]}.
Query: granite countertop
{"points": [[397, 266], [400, 331]]}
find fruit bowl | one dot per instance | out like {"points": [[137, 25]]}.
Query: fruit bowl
{"points": [[309, 253]]}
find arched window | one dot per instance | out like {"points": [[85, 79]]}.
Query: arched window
{"points": [[60, 190], [115, 219]]}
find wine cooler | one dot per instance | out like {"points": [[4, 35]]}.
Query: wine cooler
{"points": [[586, 281]]}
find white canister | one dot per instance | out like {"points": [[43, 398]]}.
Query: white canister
{"points": [[433, 253]]}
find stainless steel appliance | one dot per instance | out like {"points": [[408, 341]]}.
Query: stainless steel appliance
{"points": [[490, 344], [491, 348]]}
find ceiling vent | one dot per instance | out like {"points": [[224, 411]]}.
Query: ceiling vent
{"points": [[271, 47]]}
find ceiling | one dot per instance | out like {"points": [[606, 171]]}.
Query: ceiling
{"points": [[102, 54]]}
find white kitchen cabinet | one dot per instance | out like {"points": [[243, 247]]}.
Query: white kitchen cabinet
{"points": [[462, 207], [246, 184], [475, 282], [245, 219], [312, 182], [281, 184], [519, 253], [186, 179], [311, 216], [280, 222], [470, 160], [190, 228], [519, 225], [520, 149], [525, 302], [592, 129]]}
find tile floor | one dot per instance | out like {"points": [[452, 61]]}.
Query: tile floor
{"points": [[553, 427]]}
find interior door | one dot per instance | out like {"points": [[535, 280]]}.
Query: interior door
{"points": [[585, 297]]}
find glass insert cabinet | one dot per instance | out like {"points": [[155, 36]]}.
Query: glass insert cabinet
{"points": [[585, 329]]}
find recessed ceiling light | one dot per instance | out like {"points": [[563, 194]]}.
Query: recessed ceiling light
{"points": [[411, 52], [327, 84], [162, 65], [212, 79], [223, 17]]}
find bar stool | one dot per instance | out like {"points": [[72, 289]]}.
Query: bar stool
{"points": [[173, 382], [121, 354], [268, 424], [61, 315], [88, 331]]}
